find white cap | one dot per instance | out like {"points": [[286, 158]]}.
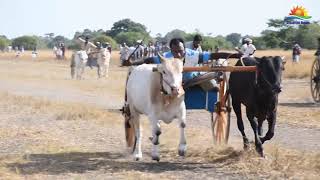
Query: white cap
{"points": [[248, 40]]}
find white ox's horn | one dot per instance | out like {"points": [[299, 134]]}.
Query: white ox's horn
{"points": [[162, 59], [284, 61]]}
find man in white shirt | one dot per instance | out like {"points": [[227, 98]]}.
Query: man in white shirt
{"points": [[124, 53], [247, 49], [195, 44], [150, 50]]}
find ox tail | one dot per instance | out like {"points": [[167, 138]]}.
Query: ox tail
{"points": [[72, 65], [221, 120], [128, 124], [130, 134]]}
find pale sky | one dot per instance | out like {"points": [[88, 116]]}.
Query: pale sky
{"points": [[219, 17]]}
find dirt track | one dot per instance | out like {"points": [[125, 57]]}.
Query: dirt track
{"points": [[306, 140], [95, 150]]}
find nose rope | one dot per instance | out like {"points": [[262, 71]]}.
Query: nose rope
{"points": [[265, 80], [162, 80]]}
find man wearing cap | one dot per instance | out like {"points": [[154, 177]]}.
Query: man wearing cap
{"points": [[247, 49]]}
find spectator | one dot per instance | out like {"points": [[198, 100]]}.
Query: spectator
{"points": [[247, 49], [124, 53], [34, 53], [296, 51], [216, 49], [150, 50], [22, 49], [63, 50], [195, 44], [164, 47]]}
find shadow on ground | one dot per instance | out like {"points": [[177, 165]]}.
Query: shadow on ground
{"points": [[303, 104], [79, 162]]}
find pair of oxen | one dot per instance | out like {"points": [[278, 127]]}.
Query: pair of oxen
{"points": [[157, 92]]}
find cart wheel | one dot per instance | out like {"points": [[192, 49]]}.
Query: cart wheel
{"points": [[315, 80], [220, 119]]}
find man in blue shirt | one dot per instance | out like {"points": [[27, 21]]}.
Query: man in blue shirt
{"points": [[190, 57]]}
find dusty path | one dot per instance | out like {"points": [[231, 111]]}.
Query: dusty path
{"points": [[307, 138], [37, 146]]}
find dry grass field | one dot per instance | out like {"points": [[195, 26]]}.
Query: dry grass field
{"points": [[53, 127]]}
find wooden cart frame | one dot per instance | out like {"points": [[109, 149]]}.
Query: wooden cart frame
{"points": [[220, 118], [315, 80]]}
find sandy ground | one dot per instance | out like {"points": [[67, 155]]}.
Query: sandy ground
{"points": [[36, 144]]}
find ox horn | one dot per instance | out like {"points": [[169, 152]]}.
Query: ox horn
{"points": [[162, 59], [283, 59]]}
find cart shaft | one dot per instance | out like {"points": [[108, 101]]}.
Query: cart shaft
{"points": [[222, 68]]}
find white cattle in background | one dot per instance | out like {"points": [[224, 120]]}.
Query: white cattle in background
{"points": [[103, 62], [58, 53], [78, 63], [158, 95]]}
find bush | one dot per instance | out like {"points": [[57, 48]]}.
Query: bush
{"points": [[209, 43], [176, 33], [3, 43], [130, 38], [74, 45], [28, 42]]}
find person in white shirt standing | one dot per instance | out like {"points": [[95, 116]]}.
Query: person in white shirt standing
{"points": [[150, 50], [195, 44], [247, 49], [124, 53]]}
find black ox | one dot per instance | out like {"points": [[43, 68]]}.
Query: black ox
{"points": [[258, 91]]}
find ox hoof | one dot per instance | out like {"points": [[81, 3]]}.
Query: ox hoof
{"points": [[261, 154], [156, 158], [246, 147], [182, 150], [154, 141], [182, 153], [137, 157]]}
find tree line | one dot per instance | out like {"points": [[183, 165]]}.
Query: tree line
{"points": [[277, 35]]}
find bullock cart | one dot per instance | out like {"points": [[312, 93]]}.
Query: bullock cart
{"points": [[315, 79], [216, 101]]}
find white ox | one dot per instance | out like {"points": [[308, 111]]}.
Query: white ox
{"points": [[103, 62], [158, 95], [78, 63], [58, 53]]}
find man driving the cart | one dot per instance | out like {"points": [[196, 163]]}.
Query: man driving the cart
{"points": [[190, 58]]}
